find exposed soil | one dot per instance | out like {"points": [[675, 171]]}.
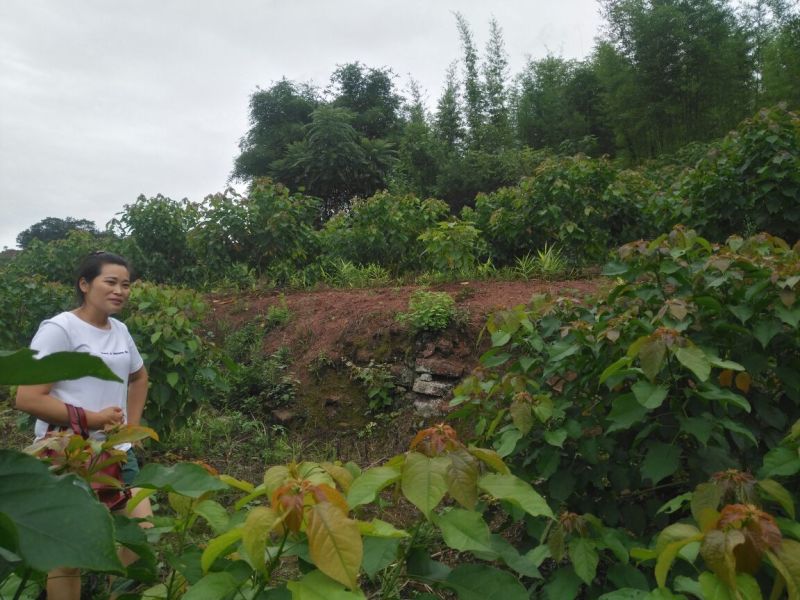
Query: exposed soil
{"points": [[329, 327]]}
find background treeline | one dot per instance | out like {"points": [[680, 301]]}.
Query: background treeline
{"points": [[662, 74], [575, 205]]}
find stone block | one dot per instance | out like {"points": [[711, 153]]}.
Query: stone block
{"points": [[432, 388], [440, 367]]}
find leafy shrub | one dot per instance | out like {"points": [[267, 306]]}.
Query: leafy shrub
{"points": [[564, 202], [256, 383], [453, 246], [382, 229], [271, 230], [165, 323], [686, 368], [748, 181], [377, 380], [429, 311], [25, 301], [57, 260], [156, 237]]}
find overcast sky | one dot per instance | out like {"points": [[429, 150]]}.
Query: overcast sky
{"points": [[103, 100]]}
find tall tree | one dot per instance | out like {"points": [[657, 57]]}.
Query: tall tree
{"points": [[689, 70], [334, 162], [370, 95], [473, 92], [495, 76], [448, 122], [278, 116], [53, 228]]}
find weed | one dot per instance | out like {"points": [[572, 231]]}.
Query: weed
{"points": [[429, 311], [527, 266], [277, 314], [550, 262], [378, 382]]}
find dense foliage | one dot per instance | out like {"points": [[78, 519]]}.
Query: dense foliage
{"points": [[685, 370]]}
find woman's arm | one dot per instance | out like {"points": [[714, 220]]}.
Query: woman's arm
{"points": [[137, 395], [37, 401]]}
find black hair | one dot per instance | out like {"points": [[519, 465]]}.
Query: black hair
{"points": [[92, 264]]}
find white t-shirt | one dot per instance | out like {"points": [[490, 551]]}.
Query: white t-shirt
{"points": [[68, 333]]}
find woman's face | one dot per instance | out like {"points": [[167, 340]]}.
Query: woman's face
{"points": [[109, 291]]}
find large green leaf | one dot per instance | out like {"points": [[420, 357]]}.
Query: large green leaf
{"points": [[465, 530], [482, 582], [694, 359], [648, 394], [318, 586], [367, 485], [661, 461], [584, 558], [186, 479], [516, 491], [626, 594], [57, 521], [423, 481], [212, 587], [625, 412], [781, 461], [21, 368], [379, 553]]}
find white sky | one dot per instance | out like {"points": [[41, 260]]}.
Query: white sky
{"points": [[103, 100]]}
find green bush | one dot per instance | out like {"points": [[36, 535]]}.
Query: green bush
{"points": [[166, 325], [686, 368], [568, 202], [256, 383], [155, 234], [383, 229], [270, 229], [453, 246], [747, 182], [24, 303], [57, 260], [429, 311]]}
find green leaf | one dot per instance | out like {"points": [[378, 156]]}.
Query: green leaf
{"points": [[626, 594], [524, 564], [712, 392], [214, 513], [379, 553], [500, 338], [555, 437], [773, 490], [172, 379], [705, 501], [625, 412], [563, 584], [21, 368], [713, 588], [186, 479], [614, 368], [423, 481], [507, 441], [212, 587], [648, 394], [318, 586], [742, 312], [482, 582], [367, 485], [614, 268], [675, 504], [790, 316], [700, 428], [516, 491], [694, 359], [781, 461], [57, 521], [466, 531], [218, 546], [490, 458], [661, 461], [584, 557], [651, 357], [764, 331], [735, 427]]}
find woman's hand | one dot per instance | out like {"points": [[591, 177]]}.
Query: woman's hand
{"points": [[112, 415]]}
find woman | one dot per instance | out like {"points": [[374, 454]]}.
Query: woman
{"points": [[103, 286]]}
